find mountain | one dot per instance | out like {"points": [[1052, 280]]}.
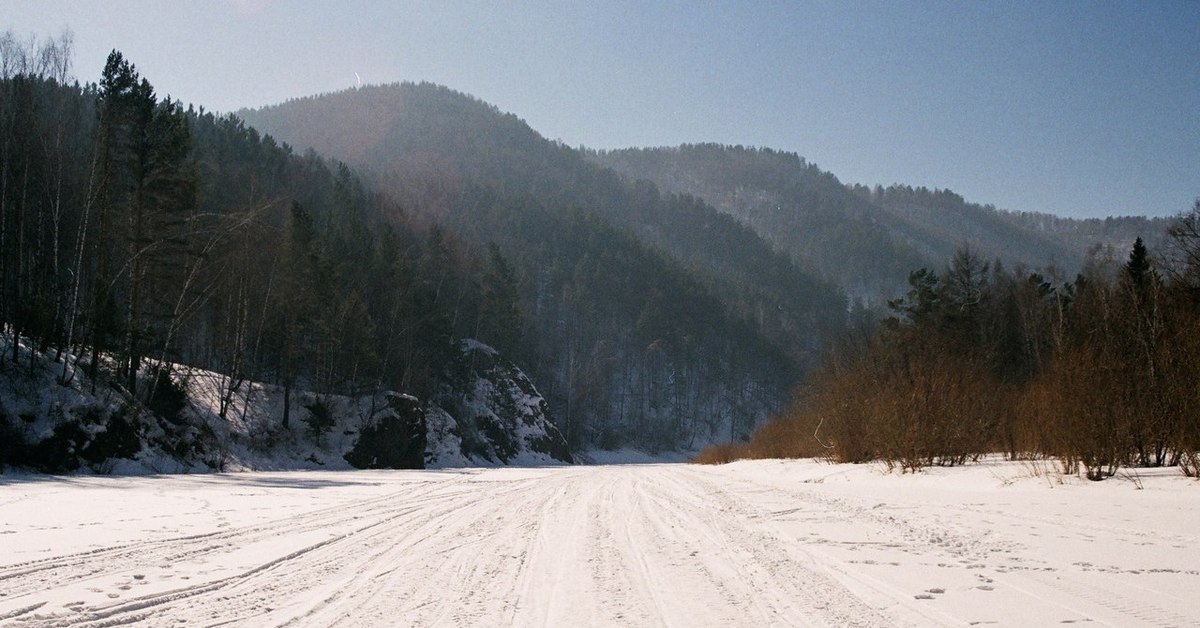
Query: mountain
{"points": [[141, 241], [654, 319], [866, 240]]}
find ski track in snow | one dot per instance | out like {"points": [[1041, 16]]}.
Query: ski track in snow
{"points": [[758, 544]]}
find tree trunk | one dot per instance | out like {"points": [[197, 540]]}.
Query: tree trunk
{"points": [[287, 403]]}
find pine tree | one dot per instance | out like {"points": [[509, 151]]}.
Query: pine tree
{"points": [[500, 319], [1137, 269], [117, 88], [160, 236], [294, 308], [147, 195]]}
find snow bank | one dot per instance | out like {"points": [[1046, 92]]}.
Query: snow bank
{"points": [[490, 414]]}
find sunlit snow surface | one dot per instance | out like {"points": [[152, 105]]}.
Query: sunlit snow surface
{"points": [[753, 543]]}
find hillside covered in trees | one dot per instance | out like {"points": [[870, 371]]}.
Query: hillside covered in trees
{"points": [[140, 239], [652, 315], [145, 243], [867, 239]]}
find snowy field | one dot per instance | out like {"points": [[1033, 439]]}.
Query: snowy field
{"points": [[753, 544]]}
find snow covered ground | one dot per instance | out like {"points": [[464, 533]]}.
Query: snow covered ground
{"points": [[752, 543]]}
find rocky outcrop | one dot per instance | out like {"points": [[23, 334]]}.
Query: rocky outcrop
{"points": [[393, 438], [498, 414]]}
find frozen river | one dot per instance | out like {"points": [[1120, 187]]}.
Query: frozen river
{"points": [[753, 543]]}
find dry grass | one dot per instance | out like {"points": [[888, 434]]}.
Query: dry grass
{"points": [[720, 454]]}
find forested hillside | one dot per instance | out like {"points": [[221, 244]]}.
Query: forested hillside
{"points": [[134, 227], [653, 317], [866, 239], [139, 239]]}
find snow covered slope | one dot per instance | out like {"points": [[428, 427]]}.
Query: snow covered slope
{"points": [[487, 414], [749, 544], [501, 417]]}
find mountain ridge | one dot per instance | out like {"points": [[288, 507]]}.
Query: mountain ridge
{"points": [[456, 160], [865, 239]]}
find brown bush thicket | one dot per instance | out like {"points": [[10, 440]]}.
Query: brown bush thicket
{"points": [[787, 436], [794, 433], [1100, 372], [1076, 417], [784, 439], [720, 454], [1181, 391], [907, 410]]}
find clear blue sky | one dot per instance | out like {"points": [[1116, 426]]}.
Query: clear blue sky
{"points": [[1075, 108]]}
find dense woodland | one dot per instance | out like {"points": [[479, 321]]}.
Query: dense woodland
{"points": [[136, 234], [1099, 373], [651, 314]]}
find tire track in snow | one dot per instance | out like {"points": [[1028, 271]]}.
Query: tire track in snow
{"points": [[362, 517], [353, 565], [973, 544], [1119, 603], [928, 536], [405, 568], [668, 545], [786, 587], [173, 549]]}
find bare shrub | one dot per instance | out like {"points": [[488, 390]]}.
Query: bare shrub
{"points": [[719, 454], [1100, 374], [789, 437]]}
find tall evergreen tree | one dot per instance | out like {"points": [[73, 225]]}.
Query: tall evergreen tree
{"points": [[501, 323], [1137, 268], [147, 195], [118, 87], [294, 308]]}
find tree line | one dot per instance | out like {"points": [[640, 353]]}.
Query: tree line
{"points": [[1098, 373], [137, 234], [154, 237]]}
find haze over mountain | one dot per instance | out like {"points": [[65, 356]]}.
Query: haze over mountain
{"points": [[422, 147], [867, 239], [665, 293], [1076, 109]]}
